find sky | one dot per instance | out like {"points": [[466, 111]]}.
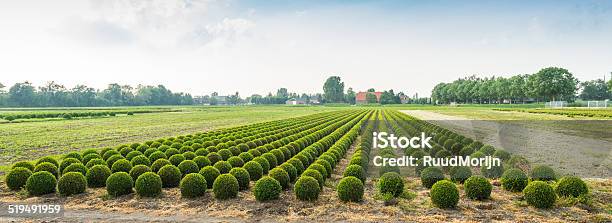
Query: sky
{"points": [[205, 46]]}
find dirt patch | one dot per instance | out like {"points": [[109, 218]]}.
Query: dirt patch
{"points": [[569, 154]]}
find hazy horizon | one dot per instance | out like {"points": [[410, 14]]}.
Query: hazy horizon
{"points": [[256, 47]]}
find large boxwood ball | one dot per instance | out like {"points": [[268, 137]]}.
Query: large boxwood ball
{"points": [[149, 184], [355, 171], [543, 173], [350, 188], [202, 161], [189, 155], [539, 194], [328, 168], [320, 168], [41, 183], [119, 183], [47, 159], [271, 159], [225, 186], [94, 162], [17, 178], [158, 164], [460, 173], [315, 174], [265, 165], [188, 166], [223, 166], [140, 160], [267, 188], [170, 175], [157, 155], [246, 157], [172, 151], [111, 152], [72, 183], [514, 180], [74, 155], [281, 176], [242, 175], [133, 154], [290, 169], [444, 194], [76, 167], [97, 176], [391, 183], [225, 154], [431, 175], [67, 162], [24, 164], [477, 188], [110, 161], [122, 165], [299, 166], [176, 159], [214, 157], [571, 186], [210, 174], [193, 185], [255, 170], [307, 188], [90, 157], [235, 161], [494, 172], [139, 170], [49, 167]]}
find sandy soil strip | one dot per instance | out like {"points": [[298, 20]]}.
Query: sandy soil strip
{"points": [[568, 154]]}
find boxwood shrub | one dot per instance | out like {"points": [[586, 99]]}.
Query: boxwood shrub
{"points": [[140, 160], [391, 183], [67, 162], [460, 173], [48, 167], [431, 175], [355, 171], [122, 165], [243, 177], [24, 164], [41, 183], [514, 180], [255, 170], [17, 178], [223, 166], [149, 184], [97, 176], [139, 170], [193, 185], [543, 173], [170, 175], [76, 167], [119, 183], [188, 166], [539, 194], [158, 164], [290, 169], [176, 159], [281, 176], [202, 161], [350, 188], [210, 174], [477, 188], [493, 173], [267, 188], [571, 186], [444, 194], [315, 174], [72, 183], [225, 186], [307, 188], [94, 162], [265, 165]]}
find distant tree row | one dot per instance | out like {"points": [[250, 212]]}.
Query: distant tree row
{"points": [[548, 84], [53, 94]]}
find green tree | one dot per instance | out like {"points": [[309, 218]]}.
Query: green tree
{"points": [[333, 89], [22, 95], [554, 83], [594, 90], [371, 98], [350, 96]]}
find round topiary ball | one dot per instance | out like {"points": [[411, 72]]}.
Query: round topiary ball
{"points": [[571, 186], [320, 168], [223, 166], [431, 175], [188, 166], [350, 188], [110, 161], [281, 176], [242, 175], [355, 171], [225, 186], [97, 176], [214, 157], [487, 150], [149, 184], [133, 154], [94, 162], [72, 183], [76, 167], [210, 174], [140, 160], [157, 155], [543, 173], [391, 183], [189, 155], [17, 178], [246, 157], [74, 155], [315, 174], [122, 165], [492, 172], [299, 166], [193, 185], [267, 188], [514, 180], [502, 154], [24, 164], [49, 167], [119, 183], [176, 159], [170, 175], [460, 173], [307, 188], [477, 188], [67, 162], [265, 165], [444, 194], [158, 164], [202, 161], [139, 170], [47, 159], [539, 194], [235, 161], [290, 169], [41, 183], [255, 170]]}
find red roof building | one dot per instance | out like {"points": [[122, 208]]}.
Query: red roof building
{"points": [[361, 97]]}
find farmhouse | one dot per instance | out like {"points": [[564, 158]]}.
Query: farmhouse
{"points": [[362, 97], [296, 101]]}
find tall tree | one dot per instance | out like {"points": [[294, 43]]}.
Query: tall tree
{"points": [[350, 96], [594, 90], [555, 83], [22, 95], [334, 89]]}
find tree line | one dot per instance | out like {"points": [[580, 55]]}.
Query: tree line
{"points": [[53, 94], [548, 84]]}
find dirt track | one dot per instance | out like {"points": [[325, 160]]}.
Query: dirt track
{"points": [[574, 155]]}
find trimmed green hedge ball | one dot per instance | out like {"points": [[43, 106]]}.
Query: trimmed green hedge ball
{"points": [[158, 164], [24, 164], [477, 188], [140, 160], [243, 177], [202, 161], [188, 166], [350, 188], [17, 178], [119, 183], [48, 167], [514, 180], [139, 170], [47, 159], [267, 188], [149, 184], [76, 167], [210, 174], [223, 166], [571, 186], [355, 171], [94, 162], [193, 185], [391, 183], [281, 176], [444, 194], [543, 173], [460, 173], [290, 169], [41, 183], [170, 175], [431, 175], [97, 176], [122, 165], [225, 186], [255, 170], [539, 194], [315, 174], [72, 183]]}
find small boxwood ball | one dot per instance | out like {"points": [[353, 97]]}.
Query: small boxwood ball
{"points": [[132, 154], [487, 150], [299, 166], [267, 188], [193, 185], [494, 172], [176, 159], [444, 194], [355, 171], [139, 170], [281, 176], [430, 176], [315, 174], [265, 165], [320, 168], [223, 166], [571, 186], [170, 175], [255, 170], [97, 176], [235, 161], [150, 151], [76, 167], [539, 194], [201, 152], [49, 167], [290, 170], [307, 188], [148, 184], [477, 188], [110, 161], [158, 164], [242, 175], [75, 155], [24, 164], [202, 161], [210, 174], [225, 186], [90, 157], [17, 178], [122, 165], [391, 183], [188, 166], [245, 156], [543, 173], [460, 173], [214, 157], [514, 180], [88, 152], [119, 183], [67, 162], [189, 155], [41, 183], [172, 151], [225, 154], [140, 160], [72, 183], [94, 162], [108, 154], [502, 154], [157, 155], [350, 188], [126, 150]]}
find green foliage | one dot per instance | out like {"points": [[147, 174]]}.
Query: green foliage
{"points": [[157, 155], [17, 177], [74, 155], [478, 188], [41, 183], [170, 175], [214, 157], [281, 176], [202, 161], [493, 173], [24, 164], [487, 150], [539, 194], [188, 166], [431, 175], [502, 154], [149, 184], [290, 169], [158, 164], [543, 173], [90, 157], [67, 162], [315, 174], [223, 166], [267, 188], [514, 180], [571, 186], [119, 183], [210, 174], [49, 167], [110, 161], [122, 165], [255, 170], [76, 167], [94, 162], [72, 183], [97, 176], [320, 168], [350, 188], [176, 159], [235, 161], [307, 188], [444, 194], [138, 170], [460, 173], [140, 160], [265, 165], [392, 183], [193, 185], [243, 177], [225, 186]]}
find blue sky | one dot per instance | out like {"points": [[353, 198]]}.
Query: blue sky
{"points": [[201, 46]]}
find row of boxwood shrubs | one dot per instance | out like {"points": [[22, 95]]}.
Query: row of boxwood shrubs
{"points": [[69, 115], [101, 168], [390, 181]]}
